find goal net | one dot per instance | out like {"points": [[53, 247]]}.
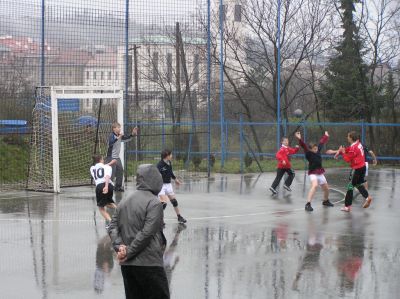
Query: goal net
{"points": [[70, 124]]}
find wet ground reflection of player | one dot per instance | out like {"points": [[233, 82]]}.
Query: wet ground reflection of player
{"points": [[171, 258], [310, 262], [350, 249], [104, 263]]}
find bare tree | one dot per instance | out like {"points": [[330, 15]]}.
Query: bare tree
{"points": [[250, 48], [379, 21]]}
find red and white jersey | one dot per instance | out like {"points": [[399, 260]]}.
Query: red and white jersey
{"points": [[99, 173], [354, 154]]}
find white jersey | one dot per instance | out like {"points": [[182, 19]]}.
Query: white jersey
{"points": [[99, 173]]}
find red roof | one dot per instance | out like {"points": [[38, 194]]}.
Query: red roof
{"points": [[72, 57], [21, 44], [103, 60]]}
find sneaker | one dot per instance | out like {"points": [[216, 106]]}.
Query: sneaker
{"points": [[367, 202], [181, 219], [327, 203], [274, 192], [287, 188], [308, 207], [346, 209]]}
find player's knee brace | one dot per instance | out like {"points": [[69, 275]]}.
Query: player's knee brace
{"points": [[350, 187], [174, 202]]}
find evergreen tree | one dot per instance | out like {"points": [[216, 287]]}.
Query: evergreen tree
{"points": [[345, 89]]}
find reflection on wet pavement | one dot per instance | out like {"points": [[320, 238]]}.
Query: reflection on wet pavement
{"points": [[239, 242]]}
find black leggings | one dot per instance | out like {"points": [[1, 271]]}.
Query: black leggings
{"points": [[357, 179], [279, 174]]}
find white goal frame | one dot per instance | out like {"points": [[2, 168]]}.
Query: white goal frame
{"points": [[79, 92]]}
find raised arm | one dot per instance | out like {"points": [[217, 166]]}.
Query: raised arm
{"points": [[324, 139], [301, 142], [128, 138]]}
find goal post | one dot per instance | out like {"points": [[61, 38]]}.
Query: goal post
{"points": [[70, 124]]}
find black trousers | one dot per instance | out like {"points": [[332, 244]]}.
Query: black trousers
{"points": [[279, 174], [357, 179], [145, 282]]}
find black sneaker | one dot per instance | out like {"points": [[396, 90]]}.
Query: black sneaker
{"points": [[327, 203], [287, 188], [273, 190], [308, 207], [181, 219]]}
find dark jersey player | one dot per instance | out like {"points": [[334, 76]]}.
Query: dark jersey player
{"points": [[315, 169], [167, 192]]}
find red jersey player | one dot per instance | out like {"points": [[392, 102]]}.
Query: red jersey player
{"points": [[284, 165], [354, 155]]}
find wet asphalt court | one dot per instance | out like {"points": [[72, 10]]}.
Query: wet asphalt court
{"points": [[239, 242]]}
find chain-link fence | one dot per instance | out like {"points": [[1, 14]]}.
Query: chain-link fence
{"points": [[198, 77]]}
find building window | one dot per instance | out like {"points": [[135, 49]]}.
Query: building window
{"points": [[155, 65], [238, 13], [109, 75], [196, 62], [169, 67], [94, 75], [101, 75], [224, 11], [87, 75], [116, 76]]}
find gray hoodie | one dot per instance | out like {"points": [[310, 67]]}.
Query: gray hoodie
{"points": [[138, 220]]}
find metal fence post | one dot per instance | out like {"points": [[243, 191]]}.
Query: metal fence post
{"points": [[363, 131], [125, 164], [241, 142], [163, 132], [208, 87], [221, 79], [42, 54], [278, 80]]}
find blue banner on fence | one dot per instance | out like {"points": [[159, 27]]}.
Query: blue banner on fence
{"points": [[68, 105]]}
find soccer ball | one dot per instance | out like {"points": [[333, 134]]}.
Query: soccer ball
{"points": [[298, 113]]}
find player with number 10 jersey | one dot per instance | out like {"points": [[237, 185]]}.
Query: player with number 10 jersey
{"points": [[101, 174]]}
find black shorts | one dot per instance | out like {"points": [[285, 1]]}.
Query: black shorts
{"points": [[104, 199], [357, 176]]}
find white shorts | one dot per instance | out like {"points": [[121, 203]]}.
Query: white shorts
{"points": [[167, 190], [319, 177], [366, 168]]}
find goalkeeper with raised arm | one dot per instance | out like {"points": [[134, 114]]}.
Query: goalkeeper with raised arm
{"points": [[113, 153]]}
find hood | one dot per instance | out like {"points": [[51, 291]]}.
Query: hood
{"points": [[148, 178]]}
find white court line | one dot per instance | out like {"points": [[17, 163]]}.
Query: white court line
{"points": [[24, 196], [251, 214], [172, 219]]}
